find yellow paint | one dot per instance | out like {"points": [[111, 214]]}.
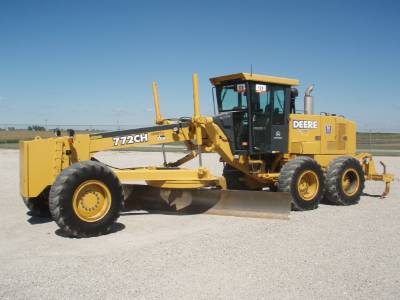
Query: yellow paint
{"points": [[98, 144], [41, 163], [197, 114], [255, 77], [334, 135], [350, 182], [369, 168], [159, 118], [23, 169], [308, 185], [91, 201], [43, 159], [154, 173]]}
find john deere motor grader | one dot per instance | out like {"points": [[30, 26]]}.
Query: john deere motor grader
{"points": [[263, 141]]}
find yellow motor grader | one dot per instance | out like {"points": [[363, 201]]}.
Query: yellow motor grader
{"points": [[275, 159]]}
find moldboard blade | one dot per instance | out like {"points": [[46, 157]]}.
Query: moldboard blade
{"points": [[253, 204]]}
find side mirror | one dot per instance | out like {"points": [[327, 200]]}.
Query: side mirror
{"points": [[293, 94]]}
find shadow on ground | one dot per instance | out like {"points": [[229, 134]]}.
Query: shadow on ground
{"points": [[35, 220], [114, 228], [327, 202], [370, 195]]}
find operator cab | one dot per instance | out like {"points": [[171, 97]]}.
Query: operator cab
{"points": [[253, 111]]}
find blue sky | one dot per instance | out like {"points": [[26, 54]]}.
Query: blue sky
{"points": [[93, 62]]}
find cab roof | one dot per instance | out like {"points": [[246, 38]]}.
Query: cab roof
{"points": [[255, 77]]}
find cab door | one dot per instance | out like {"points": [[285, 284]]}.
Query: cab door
{"points": [[260, 117], [269, 118], [280, 96]]}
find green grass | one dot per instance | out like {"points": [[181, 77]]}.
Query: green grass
{"points": [[9, 146]]}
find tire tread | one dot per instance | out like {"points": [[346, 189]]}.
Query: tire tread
{"points": [[332, 189], [288, 173], [62, 186]]}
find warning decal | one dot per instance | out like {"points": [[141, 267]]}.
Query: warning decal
{"points": [[261, 88], [241, 88]]}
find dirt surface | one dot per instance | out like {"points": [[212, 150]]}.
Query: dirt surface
{"points": [[332, 252]]}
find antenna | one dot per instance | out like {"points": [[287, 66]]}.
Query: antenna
{"points": [[251, 69]]}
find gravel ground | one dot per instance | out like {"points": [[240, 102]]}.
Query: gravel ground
{"points": [[332, 252]]}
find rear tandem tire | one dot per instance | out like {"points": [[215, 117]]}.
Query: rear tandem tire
{"points": [[345, 181], [303, 178], [86, 199]]}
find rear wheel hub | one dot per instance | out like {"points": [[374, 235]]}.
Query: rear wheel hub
{"points": [[350, 182], [308, 185]]}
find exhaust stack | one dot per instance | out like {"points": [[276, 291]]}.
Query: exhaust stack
{"points": [[309, 101]]}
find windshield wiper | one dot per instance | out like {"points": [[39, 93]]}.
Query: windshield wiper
{"points": [[223, 95], [279, 101]]}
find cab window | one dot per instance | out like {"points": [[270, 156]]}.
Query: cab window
{"points": [[232, 97], [278, 112], [261, 98]]}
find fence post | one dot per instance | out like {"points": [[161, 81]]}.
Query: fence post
{"points": [[370, 141]]}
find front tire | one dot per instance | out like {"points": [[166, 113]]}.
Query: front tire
{"points": [[345, 181], [303, 178], [86, 199], [39, 206]]}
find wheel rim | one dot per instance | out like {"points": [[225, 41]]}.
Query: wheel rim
{"points": [[308, 185], [350, 182], [91, 201]]}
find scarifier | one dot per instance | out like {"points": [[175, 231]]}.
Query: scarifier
{"points": [[275, 159]]}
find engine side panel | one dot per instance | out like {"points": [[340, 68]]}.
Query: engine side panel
{"points": [[36, 166], [318, 134]]}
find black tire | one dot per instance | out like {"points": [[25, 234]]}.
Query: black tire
{"points": [[39, 206], [62, 200], [234, 178], [291, 174], [349, 169], [273, 188]]}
